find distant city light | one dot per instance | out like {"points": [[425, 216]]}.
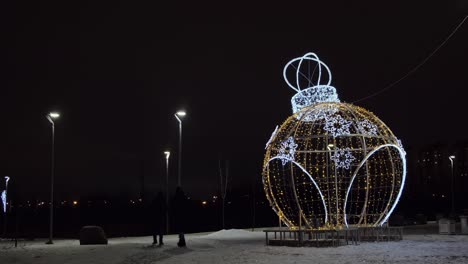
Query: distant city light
{"points": [[204, 202], [75, 202]]}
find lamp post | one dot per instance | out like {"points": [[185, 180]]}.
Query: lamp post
{"points": [[451, 158], [167, 153], [179, 115], [7, 179], [4, 197], [51, 117]]}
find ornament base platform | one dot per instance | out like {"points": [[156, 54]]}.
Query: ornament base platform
{"points": [[283, 236]]}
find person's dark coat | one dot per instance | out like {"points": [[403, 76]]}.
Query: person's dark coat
{"points": [[180, 211], [158, 210]]}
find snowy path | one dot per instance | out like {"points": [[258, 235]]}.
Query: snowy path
{"points": [[238, 246]]}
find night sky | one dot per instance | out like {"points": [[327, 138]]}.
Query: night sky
{"points": [[118, 71]]}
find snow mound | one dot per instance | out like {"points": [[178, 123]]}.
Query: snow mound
{"points": [[233, 234]]}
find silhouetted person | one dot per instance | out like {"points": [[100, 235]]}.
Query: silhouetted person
{"points": [[158, 215], [180, 215]]}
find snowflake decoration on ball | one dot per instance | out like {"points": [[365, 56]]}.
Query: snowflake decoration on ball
{"points": [[287, 150], [318, 114], [343, 158], [337, 125], [367, 128]]}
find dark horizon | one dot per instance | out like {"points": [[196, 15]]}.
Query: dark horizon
{"points": [[118, 72]]}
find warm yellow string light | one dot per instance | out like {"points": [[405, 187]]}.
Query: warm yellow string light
{"points": [[374, 190]]}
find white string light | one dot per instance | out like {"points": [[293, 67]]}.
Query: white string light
{"points": [[367, 128], [317, 114], [342, 158], [271, 137], [313, 181], [402, 155], [309, 95], [287, 150], [337, 125]]}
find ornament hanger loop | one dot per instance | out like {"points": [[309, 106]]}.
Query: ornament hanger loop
{"points": [[309, 57]]}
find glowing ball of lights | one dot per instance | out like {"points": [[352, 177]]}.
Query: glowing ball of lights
{"points": [[331, 164]]}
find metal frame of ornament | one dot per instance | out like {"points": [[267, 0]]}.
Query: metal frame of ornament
{"points": [[365, 129]]}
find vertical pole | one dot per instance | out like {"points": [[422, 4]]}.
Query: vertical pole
{"points": [[51, 205], [453, 188], [336, 195], [167, 194], [5, 219], [5, 208], [225, 188], [221, 192], [279, 224], [254, 204], [222, 212], [142, 191], [336, 182], [180, 154], [300, 227], [16, 225]]}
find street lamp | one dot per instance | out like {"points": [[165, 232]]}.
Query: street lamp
{"points": [[5, 194], [51, 117], [4, 197], [179, 115], [167, 153], [451, 158]]}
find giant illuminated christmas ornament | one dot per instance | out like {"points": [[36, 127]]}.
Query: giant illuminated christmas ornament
{"points": [[331, 164]]}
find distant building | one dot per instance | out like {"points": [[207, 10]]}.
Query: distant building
{"points": [[429, 181]]}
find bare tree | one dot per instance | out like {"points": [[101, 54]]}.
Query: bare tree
{"points": [[224, 180]]}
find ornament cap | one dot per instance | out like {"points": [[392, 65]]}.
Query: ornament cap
{"points": [[314, 91], [313, 95]]}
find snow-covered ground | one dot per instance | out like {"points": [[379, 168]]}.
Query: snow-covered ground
{"points": [[238, 246]]}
